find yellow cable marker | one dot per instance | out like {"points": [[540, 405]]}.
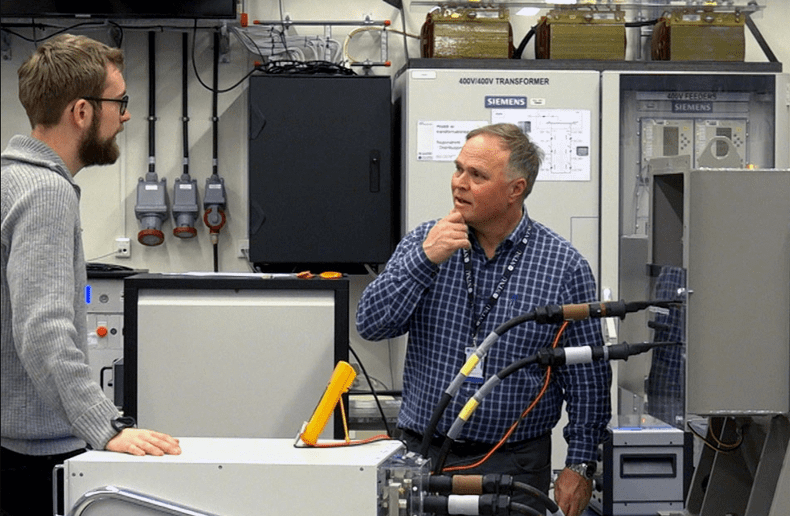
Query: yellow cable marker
{"points": [[342, 378], [470, 407], [470, 365]]}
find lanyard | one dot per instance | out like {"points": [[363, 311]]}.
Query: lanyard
{"points": [[470, 287]]}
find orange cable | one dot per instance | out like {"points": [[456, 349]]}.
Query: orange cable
{"points": [[348, 441], [523, 414]]}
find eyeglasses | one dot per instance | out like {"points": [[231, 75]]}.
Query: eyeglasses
{"points": [[122, 101]]}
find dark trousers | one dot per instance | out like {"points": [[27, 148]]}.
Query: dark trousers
{"points": [[26, 483], [528, 462]]}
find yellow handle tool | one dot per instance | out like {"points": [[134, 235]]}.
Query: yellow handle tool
{"points": [[342, 378]]}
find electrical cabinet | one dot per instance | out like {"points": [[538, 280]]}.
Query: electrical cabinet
{"points": [[734, 255], [646, 471], [321, 187], [694, 190], [225, 356], [440, 100], [104, 297], [660, 122]]}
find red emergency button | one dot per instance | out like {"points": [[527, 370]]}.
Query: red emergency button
{"points": [[101, 331]]}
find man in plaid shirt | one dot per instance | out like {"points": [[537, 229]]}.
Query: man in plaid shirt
{"points": [[451, 282]]}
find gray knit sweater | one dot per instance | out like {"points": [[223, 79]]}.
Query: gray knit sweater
{"points": [[50, 404]]}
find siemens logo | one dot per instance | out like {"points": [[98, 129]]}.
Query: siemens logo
{"points": [[508, 102], [684, 106]]}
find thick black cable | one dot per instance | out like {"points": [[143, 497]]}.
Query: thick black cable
{"points": [[515, 321], [444, 451], [491, 483], [550, 504], [372, 390], [185, 97], [444, 400], [515, 366], [438, 411], [216, 257], [543, 315], [151, 100], [545, 357], [523, 45], [200, 80], [504, 373], [214, 106], [645, 23], [758, 36], [523, 509]]}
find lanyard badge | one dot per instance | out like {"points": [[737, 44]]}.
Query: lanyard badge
{"points": [[477, 374]]}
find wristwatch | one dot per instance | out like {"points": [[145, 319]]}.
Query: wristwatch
{"points": [[585, 469]]}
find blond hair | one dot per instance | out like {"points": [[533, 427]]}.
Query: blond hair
{"points": [[63, 69]]}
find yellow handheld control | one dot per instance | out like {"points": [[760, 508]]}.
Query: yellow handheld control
{"points": [[342, 378]]}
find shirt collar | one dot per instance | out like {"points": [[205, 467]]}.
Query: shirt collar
{"points": [[513, 238], [517, 234]]}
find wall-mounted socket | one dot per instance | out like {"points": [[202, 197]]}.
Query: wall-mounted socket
{"points": [[123, 247], [243, 248]]}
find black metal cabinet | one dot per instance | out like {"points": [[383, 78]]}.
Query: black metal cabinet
{"points": [[321, 186]]}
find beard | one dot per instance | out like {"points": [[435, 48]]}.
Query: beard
{"points": [[94, 151]]}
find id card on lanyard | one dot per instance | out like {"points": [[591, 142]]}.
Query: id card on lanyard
{"points": [[477, 374]]}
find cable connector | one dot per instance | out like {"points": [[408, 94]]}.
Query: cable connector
{"points": [[470, 484], [552, 357], [487, 504], [214, 201], [555, 314], [185, 206], [151, 209]]}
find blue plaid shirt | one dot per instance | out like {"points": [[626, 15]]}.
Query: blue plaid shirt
{"points": [[430, 302]]}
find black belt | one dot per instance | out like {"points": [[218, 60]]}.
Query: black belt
{"points": [[463, 447]]}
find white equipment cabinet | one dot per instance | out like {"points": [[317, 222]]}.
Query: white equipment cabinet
{"points": [[223, 356], [242, 477]]}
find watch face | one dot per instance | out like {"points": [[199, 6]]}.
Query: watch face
{"points": [[585, 469]]}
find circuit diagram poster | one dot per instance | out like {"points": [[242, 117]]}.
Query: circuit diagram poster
{"points": [[443, 140], [562, 134]]}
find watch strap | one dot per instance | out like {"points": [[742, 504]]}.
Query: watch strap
{"points": [[585, 469]]}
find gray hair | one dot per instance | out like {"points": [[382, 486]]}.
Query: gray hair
{"points": [[525, 156]]}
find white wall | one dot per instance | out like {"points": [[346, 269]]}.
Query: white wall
{"points": [[109, 192]]}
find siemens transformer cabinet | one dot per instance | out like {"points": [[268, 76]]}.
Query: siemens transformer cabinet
{"points": [[320, 171], [441, 100]]}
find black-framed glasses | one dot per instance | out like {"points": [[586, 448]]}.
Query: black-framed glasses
{"points": [[122, 101]]}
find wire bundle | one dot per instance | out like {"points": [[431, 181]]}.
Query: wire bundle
{"points": [[272, 42]]}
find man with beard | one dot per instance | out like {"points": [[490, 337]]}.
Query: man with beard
{"points": [[75, 96]]}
